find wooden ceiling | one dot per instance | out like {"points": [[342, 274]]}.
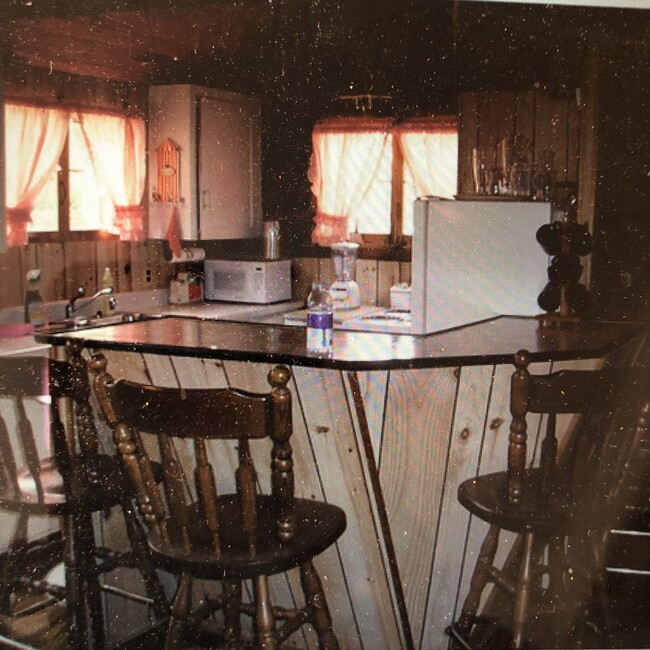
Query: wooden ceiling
{"points": [[358, 45], [132, 41]]}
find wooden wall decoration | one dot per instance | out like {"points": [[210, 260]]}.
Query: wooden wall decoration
{"points": [[168, 166]]}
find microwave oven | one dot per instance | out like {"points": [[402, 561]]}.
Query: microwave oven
{"points": [[252, 281]]}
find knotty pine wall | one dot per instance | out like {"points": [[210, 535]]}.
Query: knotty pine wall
{"points": [[375, 277], [549, 123]]}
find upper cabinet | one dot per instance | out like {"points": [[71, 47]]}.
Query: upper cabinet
{"points": [[204, 158]]}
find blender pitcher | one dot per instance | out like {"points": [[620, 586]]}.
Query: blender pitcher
{"points": [[345, 290]]}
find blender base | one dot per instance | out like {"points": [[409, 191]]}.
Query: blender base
{"points": [[346, 295]]}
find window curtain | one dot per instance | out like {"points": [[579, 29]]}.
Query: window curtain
{"points": [[34, 140], [117, 150], [429, 149], [345, 160]]}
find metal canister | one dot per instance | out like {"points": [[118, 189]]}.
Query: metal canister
{"points": [[271, 240]]}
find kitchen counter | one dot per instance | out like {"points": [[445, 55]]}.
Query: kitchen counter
{"points": [[492, 341], [387, 429]]}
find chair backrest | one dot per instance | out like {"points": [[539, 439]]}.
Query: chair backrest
{"points": [[200, 415], [33, 378], [595, 394]]}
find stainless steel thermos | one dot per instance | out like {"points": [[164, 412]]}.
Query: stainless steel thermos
{"points": [[271, 240]]}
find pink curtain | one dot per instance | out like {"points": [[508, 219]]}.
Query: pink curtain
{"points": [[345, 159], [117, 150], [34, 139], [430, 150]]}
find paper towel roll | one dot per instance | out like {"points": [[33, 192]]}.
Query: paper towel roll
{"points": [[189, 255]]}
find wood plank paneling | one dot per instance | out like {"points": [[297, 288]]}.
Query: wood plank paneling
{"points": [[326, 270], [572, 142], [418, 417], [546, 124], [81, 268], [525, 115], [11, 288], [105, 256], [50, 261], [496, 120], [304, 271], [28, 261], [475, 385], [391, 452], [467, 140], [340, 463], [550, 132], [387, 276], [405, 272], [367, 281]]}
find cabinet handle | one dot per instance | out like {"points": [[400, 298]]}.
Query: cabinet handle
{"points": [[204, 202]]}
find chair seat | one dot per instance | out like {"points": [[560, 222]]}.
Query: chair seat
{"points": [[485, 497], [99, 484], [317, 526]]}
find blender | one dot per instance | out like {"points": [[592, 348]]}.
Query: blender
{"points": [[345, 290]]}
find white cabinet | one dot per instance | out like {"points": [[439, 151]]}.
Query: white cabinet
{"points": [[217, 135]]}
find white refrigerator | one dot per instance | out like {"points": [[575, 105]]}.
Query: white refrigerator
{"points": [[473, 260]]}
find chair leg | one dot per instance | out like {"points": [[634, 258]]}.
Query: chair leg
{"points": [[523, 592], [77, 635], [17, 544], [556, 555], [316, 603], [180, 611], [138, 541], [479, 580], [232, 612], [85, 533], [264, 618]]}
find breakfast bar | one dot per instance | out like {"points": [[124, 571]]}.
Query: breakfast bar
{"points": [[386, 428]]}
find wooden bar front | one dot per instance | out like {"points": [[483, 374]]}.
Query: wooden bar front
{"points": [[387, 438]]}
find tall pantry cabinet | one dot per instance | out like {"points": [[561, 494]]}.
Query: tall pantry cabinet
{"points": [[204, 159]]}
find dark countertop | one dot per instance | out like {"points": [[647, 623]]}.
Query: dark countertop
{"points": [[492, 341]]}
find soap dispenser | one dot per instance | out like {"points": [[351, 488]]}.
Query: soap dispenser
{"points": [[108, 282], [34, 307]]}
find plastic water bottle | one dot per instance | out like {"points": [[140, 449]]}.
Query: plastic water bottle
{"points": [[320, 320]]}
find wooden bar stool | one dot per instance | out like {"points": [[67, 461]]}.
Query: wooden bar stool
{"points": [[74, 482], [197, 533], [545, 505]]}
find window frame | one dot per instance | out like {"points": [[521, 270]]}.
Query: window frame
{"points": [[394, 244], [64, 234]]}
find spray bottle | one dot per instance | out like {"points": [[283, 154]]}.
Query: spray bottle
{"points": [[34, 307]]}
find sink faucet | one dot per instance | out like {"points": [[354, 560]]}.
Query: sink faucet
{"points": [[71, 308]]}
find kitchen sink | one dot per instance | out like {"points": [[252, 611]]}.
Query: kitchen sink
{"points": [[81, 323]]}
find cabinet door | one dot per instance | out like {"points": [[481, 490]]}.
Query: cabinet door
{"points": [[230, 204]]}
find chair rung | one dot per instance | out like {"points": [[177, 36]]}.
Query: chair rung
{"points": [[497, 577], [129, 595], [42, 586], [624, 571], [293, 618], [116, 560], [12, 643], [455, 635]]}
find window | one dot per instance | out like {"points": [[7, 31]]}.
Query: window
{"points": [[75, 174], [73, 200], [366, 174]]}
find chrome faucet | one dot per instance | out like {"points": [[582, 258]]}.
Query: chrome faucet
{"points": [[71, 308]]}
